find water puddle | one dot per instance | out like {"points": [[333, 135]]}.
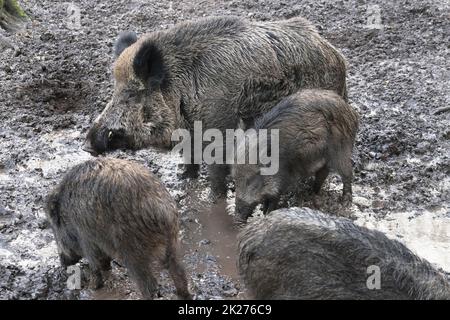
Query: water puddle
{"points": [[218, 229], [4, 177], [212, 233], [5, 253], [427, 234], [62, 158]]}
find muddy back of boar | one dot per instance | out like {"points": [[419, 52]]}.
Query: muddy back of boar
{"points": [[115, 209], [317, 129], [213, 70], [304, 254]]}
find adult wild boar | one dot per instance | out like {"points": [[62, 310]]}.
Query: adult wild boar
{"points": [[215, 70], [299, 253]]}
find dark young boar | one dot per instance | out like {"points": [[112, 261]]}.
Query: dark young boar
{"points": [[304, 254], [317, 129], [215, 70], [115, 209]]}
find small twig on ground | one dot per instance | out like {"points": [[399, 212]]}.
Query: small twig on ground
{"points": [[442, 110]]}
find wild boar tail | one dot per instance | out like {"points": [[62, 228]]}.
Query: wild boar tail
{"points": [[344, 93], [52, 207]]}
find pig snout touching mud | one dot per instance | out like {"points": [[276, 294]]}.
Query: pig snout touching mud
{"points": [[304, 254], [115, 209], [215, 70], [317, 129]]}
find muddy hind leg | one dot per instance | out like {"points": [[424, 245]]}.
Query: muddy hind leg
{"points": [[141, 272], [177, 273], [218, 177], [270, 204], [344, 168], [99, 263], [190, 170], [320, 177]]}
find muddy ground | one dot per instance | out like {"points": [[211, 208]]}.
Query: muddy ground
{"points": [[58, 79]]}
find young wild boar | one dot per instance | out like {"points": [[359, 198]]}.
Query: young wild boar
{"points": [[215, 70], [304, 254], [115, 209], [317, 129]]}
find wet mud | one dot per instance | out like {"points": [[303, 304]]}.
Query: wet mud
{"points": [[59, 79]]}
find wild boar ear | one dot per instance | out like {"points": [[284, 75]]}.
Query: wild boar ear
{"points": [[52, 208], [125, 39], [148, 64]]}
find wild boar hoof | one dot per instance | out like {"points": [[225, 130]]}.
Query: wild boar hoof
{"points": [[346, 199], [189, 171]]}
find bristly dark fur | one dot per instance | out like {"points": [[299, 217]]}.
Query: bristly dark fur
{"points": [[124, 40], [304, 254], [317, 130], [327, 103], [149, 66], [215, 70], [115, 209], [52, 207]]}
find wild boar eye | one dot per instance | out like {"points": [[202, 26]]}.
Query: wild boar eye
{"points": [[110, 135]]}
